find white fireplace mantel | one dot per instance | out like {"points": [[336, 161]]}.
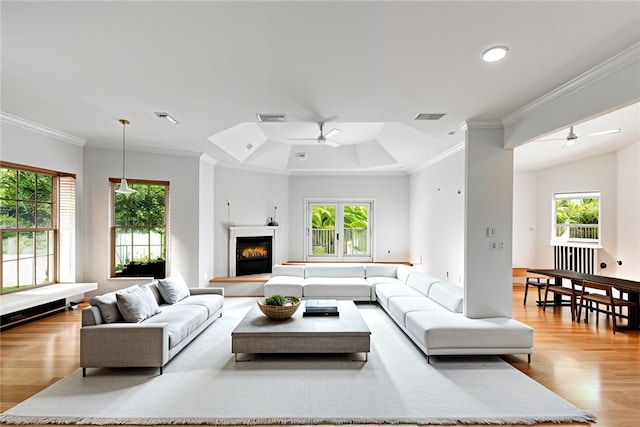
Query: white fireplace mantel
{"points": [[249, 231]]}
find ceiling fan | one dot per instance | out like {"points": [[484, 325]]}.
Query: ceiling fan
{"points": [[572, 138], [322, 138]]}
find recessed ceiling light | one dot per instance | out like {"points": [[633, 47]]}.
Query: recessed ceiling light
{"points": [[429, 116], [495, 53], [271, 117], [164, 115]]}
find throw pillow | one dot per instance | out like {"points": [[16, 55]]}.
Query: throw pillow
{"points": [[173, 289], [108, 305], [137, 305]]}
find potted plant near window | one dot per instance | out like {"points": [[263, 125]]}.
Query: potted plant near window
{"points": [[144, 268]]}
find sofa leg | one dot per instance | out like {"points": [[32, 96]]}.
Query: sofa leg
{"points": [[160, 370], [428, 360], [84, 372], [529, 358]]}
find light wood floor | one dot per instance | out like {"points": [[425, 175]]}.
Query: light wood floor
{"points": [[584, 363]]}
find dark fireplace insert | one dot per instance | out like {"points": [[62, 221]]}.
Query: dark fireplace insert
{"points": [[253, 255]]}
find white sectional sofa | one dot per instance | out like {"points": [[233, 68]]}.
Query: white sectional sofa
{"points": [[429, 311], [426, 308], [355, 282]]}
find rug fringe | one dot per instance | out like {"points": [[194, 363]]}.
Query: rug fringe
{"points": [[585, 417]]}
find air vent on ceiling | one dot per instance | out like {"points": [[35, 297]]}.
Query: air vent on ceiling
{"points": [[271, 117], [429, 116], [164, 115]]}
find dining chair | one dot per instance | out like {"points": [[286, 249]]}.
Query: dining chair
{"points": [[537, 281], [571, 292], [606, 299]]}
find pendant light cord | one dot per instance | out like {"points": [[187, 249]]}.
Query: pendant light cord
{"points": [[123, 150], [124, 125]]}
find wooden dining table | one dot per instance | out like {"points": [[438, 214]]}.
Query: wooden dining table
{"points": [[630, 287]]}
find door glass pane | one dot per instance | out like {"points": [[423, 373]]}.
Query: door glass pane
{"points": [[323, 225], [355, 223]]}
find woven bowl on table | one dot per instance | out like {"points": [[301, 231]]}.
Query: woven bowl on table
{"points": [[278, 312]]}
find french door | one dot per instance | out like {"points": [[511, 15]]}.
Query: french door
{"points": [[339, 230]]}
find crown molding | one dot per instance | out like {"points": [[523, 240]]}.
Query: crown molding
{"points": [[621, 61], [205, 158], [482, 124], [440, 157], [43, 130]]}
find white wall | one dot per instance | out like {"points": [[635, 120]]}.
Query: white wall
{"points": [[628, 211], [29, 148], [436, 218], [252, 197], [524, 219], [391, 217], [183, 175]]}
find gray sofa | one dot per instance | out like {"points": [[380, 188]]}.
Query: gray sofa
{"points": [[427, 309], [145, 325]]}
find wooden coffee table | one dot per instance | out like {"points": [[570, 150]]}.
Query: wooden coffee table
{"points": [[346, 333]]}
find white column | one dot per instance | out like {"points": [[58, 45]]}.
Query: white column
{"points": [[488, 222]]}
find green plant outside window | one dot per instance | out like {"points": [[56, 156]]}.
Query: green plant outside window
{"points": [[140, 230]]}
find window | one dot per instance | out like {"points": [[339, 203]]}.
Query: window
{"points": [[139, 229], [37, 224], [576, 217], [339, 231]]}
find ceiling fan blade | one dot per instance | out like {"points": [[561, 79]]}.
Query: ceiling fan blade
{"points": [[606, 132], [552, 139], [303, 139], [331, 144], [332, 132]]}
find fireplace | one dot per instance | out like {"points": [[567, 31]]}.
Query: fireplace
{"points": [[237, 233], [254, 255]]}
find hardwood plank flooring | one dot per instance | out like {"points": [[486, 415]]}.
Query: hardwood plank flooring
{"points": [[584, 363]]}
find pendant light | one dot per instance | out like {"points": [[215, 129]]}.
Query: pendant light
{"points": [[124, 187]]}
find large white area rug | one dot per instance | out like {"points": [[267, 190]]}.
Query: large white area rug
{"points": [[204, 385]]}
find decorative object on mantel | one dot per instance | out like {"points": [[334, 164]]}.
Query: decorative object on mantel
{"points": [[272, 221], [124, 187], [279, 307]]}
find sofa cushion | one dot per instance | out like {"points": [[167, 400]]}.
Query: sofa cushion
{"points": [[384, 291], [334, 287], [442, 329], [447, 295], [182, 320], [173, 289], [155, 291], [403, 272], [334, 271], [213, 303], [381, 270], [375, 280], [284, 285], [108, 305], [287, 270], [399, 306], [137, 305], [421, 282]]}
